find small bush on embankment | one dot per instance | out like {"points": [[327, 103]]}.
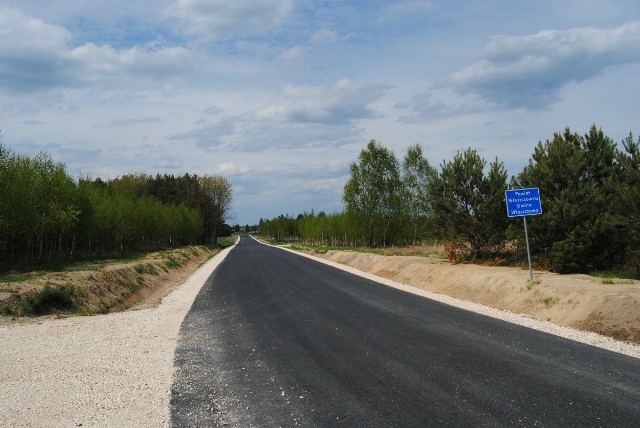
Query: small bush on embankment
{"points": [[92, 289], [46, 301]]}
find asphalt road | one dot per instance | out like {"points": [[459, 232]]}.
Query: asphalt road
{"points": [[274, 339]]}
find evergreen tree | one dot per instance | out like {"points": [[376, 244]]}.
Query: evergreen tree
{"points": [[557, 168], [577, 176], [468, 206], [629, 202]]}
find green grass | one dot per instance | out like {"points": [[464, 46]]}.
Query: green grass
{"points": [[611, 277], [16, 277], [82, 264], [46, 301], [549, 301], [323, 249], [532, 282], [146, 268], [69, 299], [401, 251], [226, 241], [614, 281], [433, 251], [171, 262]]}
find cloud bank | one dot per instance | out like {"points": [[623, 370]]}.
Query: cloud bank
{"points": [[529, 71], [220, 19], [302, 116], [37, 56]]}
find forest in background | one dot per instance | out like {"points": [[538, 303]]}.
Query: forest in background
{"points": [[46, 216], [589, 187]]}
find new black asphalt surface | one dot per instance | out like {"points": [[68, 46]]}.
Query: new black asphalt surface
{"points": [[275, 339]]}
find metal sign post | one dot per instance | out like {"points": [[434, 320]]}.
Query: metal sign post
{"points": [[521, 203], [526, 238]]}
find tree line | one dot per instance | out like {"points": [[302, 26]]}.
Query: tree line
{"points": [[46, 216], [589, 185]]}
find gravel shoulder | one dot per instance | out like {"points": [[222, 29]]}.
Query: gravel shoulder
{"points": [[110, 370]]}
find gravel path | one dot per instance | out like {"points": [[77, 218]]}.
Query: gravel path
{"points": [[102, 371]]}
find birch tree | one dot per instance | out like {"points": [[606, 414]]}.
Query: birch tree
{"points": [[216, 206], [372, 193], [416, 173]]}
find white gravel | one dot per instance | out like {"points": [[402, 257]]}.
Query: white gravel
{"points": [[101, 371], [116, 370]]}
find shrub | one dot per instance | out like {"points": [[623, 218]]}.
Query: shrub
{"points": [[50, 299]]}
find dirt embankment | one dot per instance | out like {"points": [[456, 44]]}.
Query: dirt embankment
{"points": [[607, 307], [101, 287], [583, 302]]}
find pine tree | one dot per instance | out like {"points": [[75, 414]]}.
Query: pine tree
{"points": [[557, 168], [468, 207], [580, 229], [629, 202]]}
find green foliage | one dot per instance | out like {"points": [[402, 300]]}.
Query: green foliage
{"points": [[215, 206], [468, 205], [146, 268], [171, 262], [15, 278], [47, 218], [581, 183], [590, 195], [416, 177], [628, 208], [372, 194], [48, 300], [225, 242], [281, 228]]}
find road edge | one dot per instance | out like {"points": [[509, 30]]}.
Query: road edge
{"points": [[586, 337]]}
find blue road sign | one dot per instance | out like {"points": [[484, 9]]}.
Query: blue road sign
{"points": [[523, 202]]}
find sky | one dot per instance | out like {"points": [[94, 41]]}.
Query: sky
{"points": [[280, 96]]}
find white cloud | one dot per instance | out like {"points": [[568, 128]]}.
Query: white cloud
{"points": [[38, 55], [324, 36], [128, 121], [288, 188], [232, 168], [406, 7], [19, 32], [203, 86], [212, 110], [293, 53], [104, 63], [529, 71], [426, 107], [218, 19], [301, 116], [342, 102]]}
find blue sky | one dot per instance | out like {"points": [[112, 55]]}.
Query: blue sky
{"points": [[280, 96]]}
